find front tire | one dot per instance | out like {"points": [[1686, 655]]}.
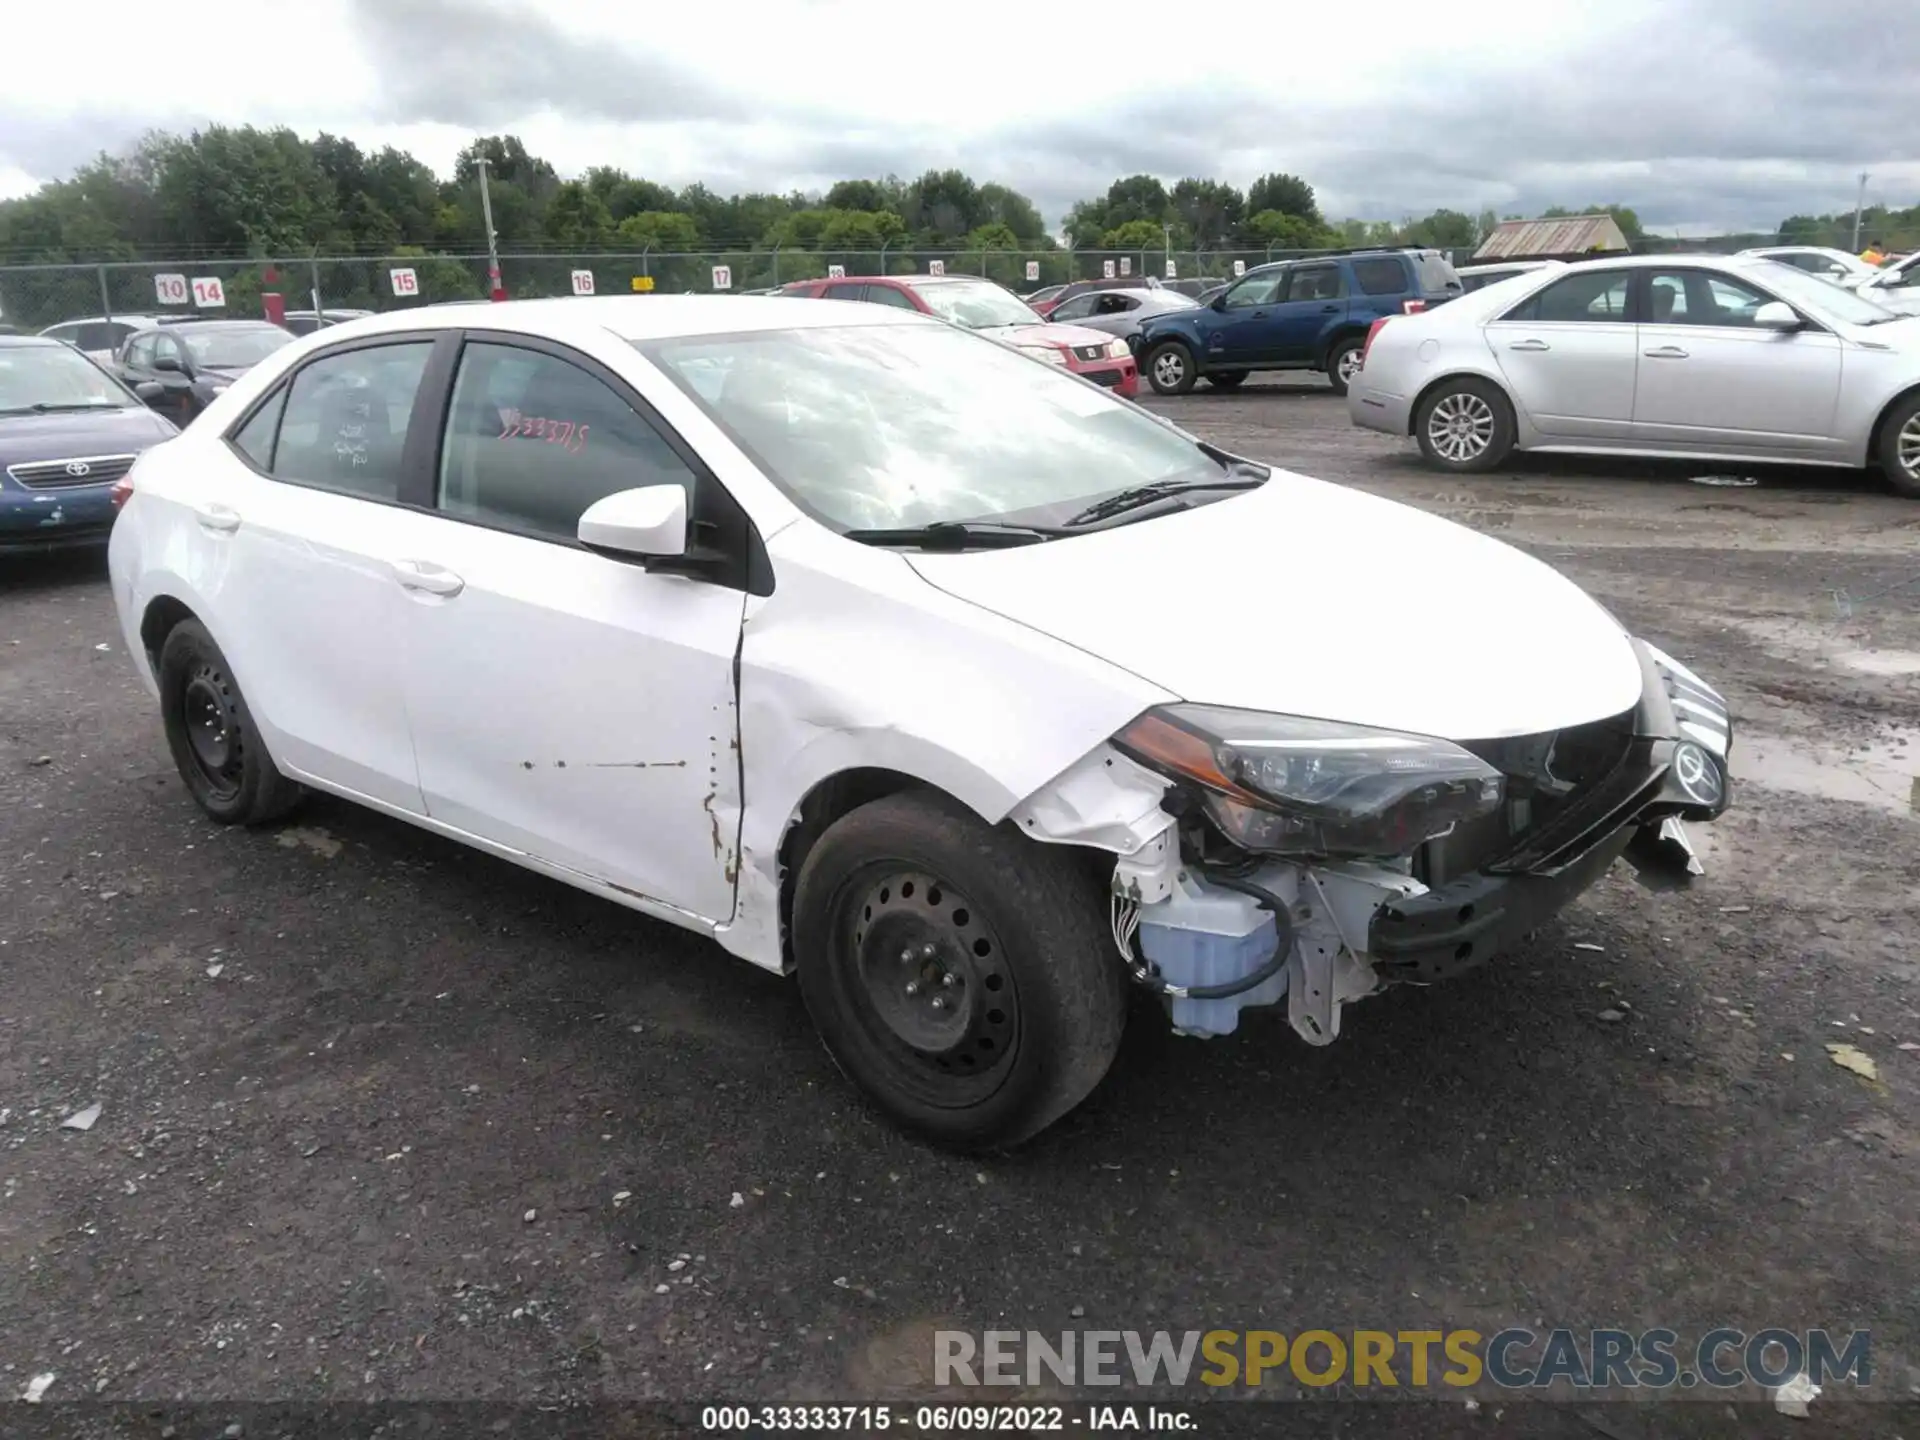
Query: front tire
{"points": [[1170, 368], [1464, 426], [1343, 363], [216, 746], [1900, 448], [960, 975]]}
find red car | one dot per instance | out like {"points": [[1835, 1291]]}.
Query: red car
{"points": [[975, 304]]}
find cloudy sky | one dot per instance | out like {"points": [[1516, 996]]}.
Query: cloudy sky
{"points": [[1703, 114]]}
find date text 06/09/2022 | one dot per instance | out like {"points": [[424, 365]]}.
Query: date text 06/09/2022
{"points": [[1012, 1419]]}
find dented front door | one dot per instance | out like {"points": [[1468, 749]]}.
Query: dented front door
{"points": [[579, 710]]}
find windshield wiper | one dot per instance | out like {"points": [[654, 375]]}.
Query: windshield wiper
{"points": [[1159, 490], [958, 535], [41, 407]]}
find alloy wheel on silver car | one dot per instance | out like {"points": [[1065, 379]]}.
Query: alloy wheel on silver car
{"points": [[1349, 366], [1906, 451], [1461, 427]]}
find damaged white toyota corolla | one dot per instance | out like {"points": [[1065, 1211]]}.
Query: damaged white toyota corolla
{"points": [[891, 657]]}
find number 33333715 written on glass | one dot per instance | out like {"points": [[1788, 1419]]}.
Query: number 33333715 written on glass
{"points": [[571, 437]]}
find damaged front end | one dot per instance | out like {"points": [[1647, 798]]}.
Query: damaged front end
{"points": [[1268, 857]]}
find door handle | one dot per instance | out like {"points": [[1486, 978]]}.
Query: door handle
{"points": [[1530, 345], [426, 578], [220, 519], [1259, 314], [1329, 309], [1666, 352]]}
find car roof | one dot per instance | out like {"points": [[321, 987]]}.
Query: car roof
{"points": [[32, 342], [232, 324], [632, 317]]}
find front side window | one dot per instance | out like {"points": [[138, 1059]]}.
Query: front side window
{"points": [[1255, 290], [533, 440], [1696, 297], [103, 336], [881, 426], [345, 425], [140, 351]]}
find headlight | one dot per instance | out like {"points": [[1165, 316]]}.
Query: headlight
{"points": [[1294, 786], [1053, 355], [1119, 349]]}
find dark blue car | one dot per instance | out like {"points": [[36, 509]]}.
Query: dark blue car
{"points": [[68, 432], [1309, 314]]}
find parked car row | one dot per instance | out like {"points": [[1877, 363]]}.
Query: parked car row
{"points": [[1719, 358]]}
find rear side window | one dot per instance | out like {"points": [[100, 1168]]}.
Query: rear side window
{"points": [[1380, 275], [843, 292], [345, 424], [533, 440], [103, 336], [888, 295], [1316, 282], [1597, 297], [255, 438], [1436, 274]]}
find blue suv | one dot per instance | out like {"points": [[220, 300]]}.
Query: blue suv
{"points": [[1308, 314]]}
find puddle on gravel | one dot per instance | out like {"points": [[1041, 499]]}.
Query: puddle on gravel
{"points": [[1884, 773]]}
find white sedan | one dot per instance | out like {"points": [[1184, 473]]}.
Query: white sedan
{"points": [[890, 657], [1723, 358]]}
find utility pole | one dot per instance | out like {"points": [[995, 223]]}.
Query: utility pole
{"points": [[496, 289], [1859, 204]]}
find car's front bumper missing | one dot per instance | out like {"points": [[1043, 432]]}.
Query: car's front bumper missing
{"points": [[1674, 770]]}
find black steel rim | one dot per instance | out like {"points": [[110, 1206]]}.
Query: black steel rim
{"points": [[931, 986], [210, 717]]}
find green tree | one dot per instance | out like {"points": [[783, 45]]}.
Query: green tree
{"points": [[1288, 194], [1445, 229], [577, 219], [941, 206], [1210, 210], [1283, 231], [1134, 235], [666, 231]]}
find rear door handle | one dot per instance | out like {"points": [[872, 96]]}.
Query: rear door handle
{"points": [[1530, 345], [426, 578], [220, 519], [1666, 352]]}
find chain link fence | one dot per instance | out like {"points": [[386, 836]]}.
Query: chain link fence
{"points": [[33, 297]]}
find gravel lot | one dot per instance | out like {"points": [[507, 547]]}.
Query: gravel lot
{"points": [[386, 1119]]}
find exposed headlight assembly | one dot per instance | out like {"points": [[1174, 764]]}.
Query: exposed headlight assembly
{"points": [[1287, 785], [1119, 349]]}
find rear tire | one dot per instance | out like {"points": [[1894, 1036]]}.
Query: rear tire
{"points": [[1464, 425], [1170, 368], [962, 976], [216, 746], [1343, 362], [1226, 379], [1900, 448]]}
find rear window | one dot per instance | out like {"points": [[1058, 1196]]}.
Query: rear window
{"points": [[1381, 275], [1436, 274]]}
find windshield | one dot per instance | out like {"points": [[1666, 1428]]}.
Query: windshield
{"points": [[872, 427], [1834, 301], [977, 306], [234, 349], [58, 378]]}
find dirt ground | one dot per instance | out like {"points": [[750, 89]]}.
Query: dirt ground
{"points": [[384, 1119]]}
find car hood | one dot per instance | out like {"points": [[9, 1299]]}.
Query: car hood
{"points": [[1305, 598], [27, 438], [1048, 335]]}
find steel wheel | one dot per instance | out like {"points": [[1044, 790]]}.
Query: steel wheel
{"points": [[215, 736], [1460, 427], [933, 989]]}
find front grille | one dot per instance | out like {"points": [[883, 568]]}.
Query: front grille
{"points": [[71, 474], [1547, 775], [1108, 378], [1090, 352]]}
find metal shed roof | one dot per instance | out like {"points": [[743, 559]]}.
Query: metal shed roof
{"points": [[1537, 239]]}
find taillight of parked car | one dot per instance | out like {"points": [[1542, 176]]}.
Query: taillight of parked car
{"points": [[1372, 330], [122, 491], [1412, 307]]}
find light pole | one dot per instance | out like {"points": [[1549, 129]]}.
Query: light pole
{"points": [[496, 290], [1859, 204]]}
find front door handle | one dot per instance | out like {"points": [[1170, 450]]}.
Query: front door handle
{"points": [[1259, 314], [220, 519], [426, 578], [1666, 352], [1530, 345], [1329, 309]]}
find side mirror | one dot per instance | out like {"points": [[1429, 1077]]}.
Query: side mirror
{"points": [[150, 390], [169, 362], [650, 522], [1776, 315]]}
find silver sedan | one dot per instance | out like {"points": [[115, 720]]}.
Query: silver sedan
{"points": [[1704, 357]]}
